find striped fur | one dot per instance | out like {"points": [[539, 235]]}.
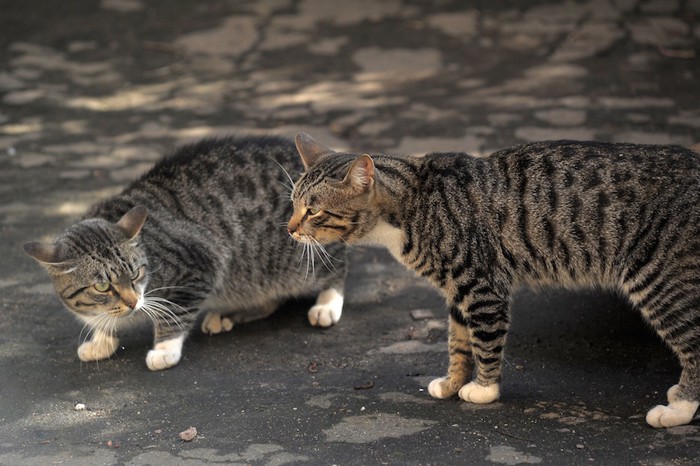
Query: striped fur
{"points": [[214, 240], [574, 214]]}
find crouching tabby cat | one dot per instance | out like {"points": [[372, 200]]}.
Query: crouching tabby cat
{"points": [[620, 216], [202, 231]]}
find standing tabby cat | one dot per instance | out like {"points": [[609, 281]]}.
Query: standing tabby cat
{"points": [[621, 216], [214, 241]]}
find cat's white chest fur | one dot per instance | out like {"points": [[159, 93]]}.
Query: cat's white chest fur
{"points": [[388, 236]]}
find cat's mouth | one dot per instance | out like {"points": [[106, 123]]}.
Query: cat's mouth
{"points": [[306, 239], [129, 309]]}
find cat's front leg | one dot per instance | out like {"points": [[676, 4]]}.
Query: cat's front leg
{"points": [[168, 340], [101, 346], [460, 365], [488, 327], [478, 333], [165, 354]]}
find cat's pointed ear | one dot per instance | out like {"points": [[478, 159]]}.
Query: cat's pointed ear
{"points": [[310, 149], [132, 221], [43, 252], [361, 174]]}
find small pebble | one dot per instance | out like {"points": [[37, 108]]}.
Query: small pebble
{"points": [[189, 434], [422, 314], [80, 407]]}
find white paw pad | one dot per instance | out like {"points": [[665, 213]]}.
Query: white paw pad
{"points": [[99, 348], [436, 389], [327, 310], [213, 323], [165, 354], [323, 315], [677, 413], [475, 393]]}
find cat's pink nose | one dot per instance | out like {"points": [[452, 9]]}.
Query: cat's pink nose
{"points": [[130, 299]]}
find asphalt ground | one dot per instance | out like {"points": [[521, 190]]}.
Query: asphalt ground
{"points": [[92, 93]]}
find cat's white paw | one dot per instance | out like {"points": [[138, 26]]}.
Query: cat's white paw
{"points": [[213, 323], [165, 354], [327, 310], [323, 315], [475, 393], [436, 388], [677, 413], [100, 347]]}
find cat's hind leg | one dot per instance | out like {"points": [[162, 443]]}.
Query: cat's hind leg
{"points": [[661, 281], [328, 308], [223, 319], [678, 412], [683, 401], [214, 322], [460, 365], [672, 311]]}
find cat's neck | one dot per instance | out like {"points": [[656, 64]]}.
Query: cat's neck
{"points": [[388, 236], [405, 183], [398, 177], [395, 189]]}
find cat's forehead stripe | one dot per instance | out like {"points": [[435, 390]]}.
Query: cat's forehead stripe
{"points": [[333, 169]]}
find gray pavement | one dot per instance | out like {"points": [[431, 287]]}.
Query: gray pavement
{"points": [[92, 92]]}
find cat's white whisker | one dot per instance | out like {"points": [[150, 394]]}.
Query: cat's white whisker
{"points": [[163, 311], [162, 301], [161, 314], [159, 308], [310, 261], [286, 173], [286, 187], [325, 258], [93, 324], [151, 316], [164, 288]]}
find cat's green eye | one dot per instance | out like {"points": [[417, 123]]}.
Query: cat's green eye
{"points": [[311, 211], [136, 274], [102, 286]]}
